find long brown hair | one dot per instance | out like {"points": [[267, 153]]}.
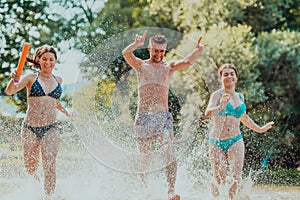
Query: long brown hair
{"points": [[34, 59]]}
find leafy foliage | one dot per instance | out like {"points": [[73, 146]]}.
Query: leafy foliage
{"points": [[265, 15], [279, 65]]}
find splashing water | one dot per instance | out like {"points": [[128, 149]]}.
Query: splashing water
{"points": [[100, 159], [81, 176]]}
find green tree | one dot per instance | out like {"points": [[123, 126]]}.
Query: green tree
{"points": [[266, 15], [115, 17], [192, 15], [261, 15], [279, 65]]}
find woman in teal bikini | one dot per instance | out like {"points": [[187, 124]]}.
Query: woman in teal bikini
{"points": [[39, 129], [228, 109]]}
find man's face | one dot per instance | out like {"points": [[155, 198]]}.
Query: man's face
{"points": [[157, 51]]}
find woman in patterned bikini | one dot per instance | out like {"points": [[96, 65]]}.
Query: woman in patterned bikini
{"points": [[228, 109], [39, 129]]}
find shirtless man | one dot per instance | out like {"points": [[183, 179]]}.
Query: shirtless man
{"points": [[153, 120]]}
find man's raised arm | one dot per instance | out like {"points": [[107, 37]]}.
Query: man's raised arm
{"points": [[190, 58], [128, 51]]}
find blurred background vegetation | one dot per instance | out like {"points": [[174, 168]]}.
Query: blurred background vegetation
{"points": [[260, 37]]}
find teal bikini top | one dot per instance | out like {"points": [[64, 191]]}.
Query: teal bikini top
{"points": [[229, 110]]}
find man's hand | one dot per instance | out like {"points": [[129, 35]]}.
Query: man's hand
{"points": [[199, 46], [139, 40]]}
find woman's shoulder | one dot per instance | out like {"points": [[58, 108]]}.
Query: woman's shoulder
{"points": [[240, 95], [31, 76], [217, 93], [58, 78]]}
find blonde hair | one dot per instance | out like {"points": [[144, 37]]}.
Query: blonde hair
{"points": [[33, 60], [226, 66]]}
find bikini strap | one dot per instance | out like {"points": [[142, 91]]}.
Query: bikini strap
{"points": [[55, 78], [221, 93], [241, 97]]}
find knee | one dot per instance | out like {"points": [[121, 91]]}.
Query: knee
{"points": [[49, 166], [31, 165], [171, 169], [220, 176], [220, 180], [172, 165], [235, 184], [30, 169], [236, 178], [170, 156], [233, 189]]}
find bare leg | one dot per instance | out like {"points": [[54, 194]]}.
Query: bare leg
{"points": [[218, 165], [144, 148], [236, 155], [31, 150], [171, 171], [50, 144], [171, 168]]}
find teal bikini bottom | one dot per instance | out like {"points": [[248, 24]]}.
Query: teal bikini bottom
{"points": [[225, 144]]}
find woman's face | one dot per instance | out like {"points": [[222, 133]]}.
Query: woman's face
{"points": [[47, 61], [228, 77]]}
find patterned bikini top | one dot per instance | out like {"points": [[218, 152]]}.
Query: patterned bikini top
{"points": [[229, 110], [37, 90]]}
